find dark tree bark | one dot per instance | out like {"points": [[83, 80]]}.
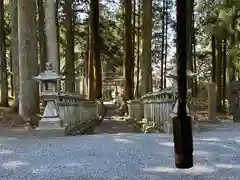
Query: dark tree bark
{"points": [[133, 40], [219, 75], [230, 65], [42, 35], [163, 45], [146, 63], [195, 83], [138, 47], [90, 62], [86, 61], [69, 48], [213, 59], [57, 28], [133, 27], [3, 60], [224, 71], [94, 47], [190, 40], [182, 126], [128, 64], [166, 43]]}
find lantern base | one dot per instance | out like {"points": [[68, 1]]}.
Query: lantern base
{"points": [[50, 122], [50, 127], [50, 118], [50, 132]]}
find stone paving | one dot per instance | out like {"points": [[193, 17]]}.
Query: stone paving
{"points": [[120, 156]]}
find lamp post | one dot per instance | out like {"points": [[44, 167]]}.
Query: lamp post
{"points": [[50, 93], [182, 125]]}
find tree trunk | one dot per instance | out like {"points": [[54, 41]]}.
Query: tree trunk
{"points": [[58, 31], [90, 73], [163, 45], [219, 75], [189, 40], [194, 64], [138, 48], [11, 70], [42, 35], [231, 75], [224, 71], [3, 60], [86, 61], [28, 60], [146, 69], [69, 35], [91, 87], [195, 69], [182, 127], [14, 51], [213, 59], [133, 40], [94, 47], [51, 34], [128, 64], [166, 43]]}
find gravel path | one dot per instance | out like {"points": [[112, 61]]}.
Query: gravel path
{"points": [[120, 157], [113, 124]]}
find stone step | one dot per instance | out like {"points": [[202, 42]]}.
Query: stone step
{"points": [[28, 132], [50, 123], [49, 132]]}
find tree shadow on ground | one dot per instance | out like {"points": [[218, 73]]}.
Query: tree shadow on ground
{"points": [[114, 125], [119, 156]]}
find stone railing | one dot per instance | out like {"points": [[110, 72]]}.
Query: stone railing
{"points": [[79, 115], [152, 112]]}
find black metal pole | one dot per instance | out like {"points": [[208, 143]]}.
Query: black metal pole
{"points": [[182, 125]]}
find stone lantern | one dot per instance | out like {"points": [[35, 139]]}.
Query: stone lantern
{"points": [[49, 82], [172, 76]]}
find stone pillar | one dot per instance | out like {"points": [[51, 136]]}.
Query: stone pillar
{"points": [[212, 112], [130, 110], [78, 85], [137, 109]]}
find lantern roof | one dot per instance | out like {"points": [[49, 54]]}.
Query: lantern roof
{"points": [[48, 74]]}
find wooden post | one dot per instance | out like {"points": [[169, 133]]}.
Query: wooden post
{"points": [[182, 123], [211, 88]]}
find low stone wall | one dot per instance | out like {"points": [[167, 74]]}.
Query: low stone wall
{"points": [[79, 115], [70, 114], [152, 112]]}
